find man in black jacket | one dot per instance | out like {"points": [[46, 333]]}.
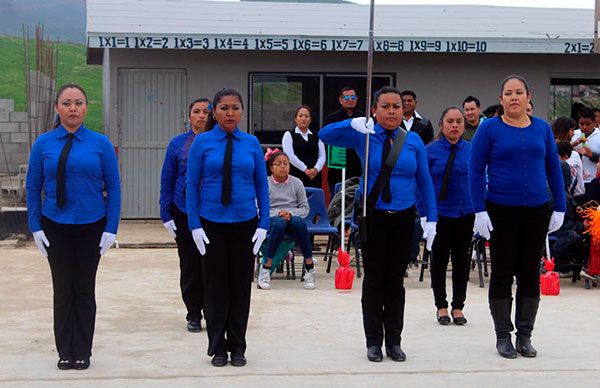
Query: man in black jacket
{"points": [[412, 120], [348, 100]]}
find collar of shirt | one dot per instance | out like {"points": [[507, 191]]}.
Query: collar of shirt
{"points": [[594, 132], [298, 131], [415, 115], [448, 145], [222, 134], [381, 131], [62, 132], [285, 182]]}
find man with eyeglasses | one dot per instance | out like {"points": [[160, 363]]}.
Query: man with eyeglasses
{"points": [[348, 100]]}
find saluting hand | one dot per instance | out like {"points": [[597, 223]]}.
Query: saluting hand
{"points": [[259, 236], [200, 239], [41, 242], [362, 125]]}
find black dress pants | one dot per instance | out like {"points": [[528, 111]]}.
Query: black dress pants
{"points": [[452, 240], [516, 246], [386, 258], [227, 270], [73, 256], [190, 265]]}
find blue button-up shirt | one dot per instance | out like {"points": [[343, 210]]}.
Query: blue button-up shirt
{"points": [[205, 180], [91, 166], [172, 178], [521, 164], [458, 197], [409, 172]]}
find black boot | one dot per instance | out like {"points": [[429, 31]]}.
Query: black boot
{"points": [[524, 320], [500, 310]]}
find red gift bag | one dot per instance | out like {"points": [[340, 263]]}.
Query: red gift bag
{"points": [[549, 281], [344, 275]]}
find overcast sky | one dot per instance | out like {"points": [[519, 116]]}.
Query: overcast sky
{"points": [[516, 3]]}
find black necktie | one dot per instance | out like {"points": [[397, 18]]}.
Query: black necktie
{"points": [[226, 191], [386, 194], [60, 173], [449, 164]]}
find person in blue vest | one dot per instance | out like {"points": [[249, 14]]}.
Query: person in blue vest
{"points": [[305, 150], [72, 223], [174, 216], [449, 164], [391, 216], [226, 187], [517, 154]]}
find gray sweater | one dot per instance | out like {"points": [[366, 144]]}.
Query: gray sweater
{"points": [[288, 196]]}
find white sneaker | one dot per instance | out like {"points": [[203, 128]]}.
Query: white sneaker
{"points": [[264, 278], [309, 279]]}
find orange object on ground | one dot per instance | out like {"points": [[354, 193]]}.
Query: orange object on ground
{"points": [[593, 267]]}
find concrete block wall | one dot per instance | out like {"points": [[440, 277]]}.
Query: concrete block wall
{"points": [[14, 133]]}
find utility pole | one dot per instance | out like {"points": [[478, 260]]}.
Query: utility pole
{"points": [[596, 21]]}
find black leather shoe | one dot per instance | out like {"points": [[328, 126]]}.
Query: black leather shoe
{"points": [[459, 321], [219, 360], [524, 347], [194, 326], [81, 363], [238, 361], [443, 319], [374, 354], [395, 353], [65, 364], [505, 348]]}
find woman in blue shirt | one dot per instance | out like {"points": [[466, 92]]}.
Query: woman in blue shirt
{"points": [[74, 224], [391, 217], [226, 182], [448, 164], [518, 152], [173, 212]]}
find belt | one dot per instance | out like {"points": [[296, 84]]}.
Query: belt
{"points": [[387, 211]]}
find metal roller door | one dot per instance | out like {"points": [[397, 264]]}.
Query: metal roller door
{"points": [[151, 111]]}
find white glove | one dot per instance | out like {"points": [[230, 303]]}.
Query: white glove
{"points": [[556, 221], [483, 224], [106, 241], [200, 239], [171, 228], [259, 236], [423, 221], [41, 241], [429, 232], [360, 124]]}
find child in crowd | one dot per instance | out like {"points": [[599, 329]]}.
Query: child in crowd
{"points": [[289, 207]]}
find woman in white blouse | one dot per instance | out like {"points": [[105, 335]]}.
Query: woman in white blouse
{"points": [[305, 150]]}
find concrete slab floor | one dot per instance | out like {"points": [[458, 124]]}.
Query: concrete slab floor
{"points": [[296, 338]]}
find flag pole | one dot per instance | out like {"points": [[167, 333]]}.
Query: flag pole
{"points": [[368, 107]]}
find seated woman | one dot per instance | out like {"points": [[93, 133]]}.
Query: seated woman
{"points": [[288, 208]]}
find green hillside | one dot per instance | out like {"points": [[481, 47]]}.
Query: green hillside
{"points": [[71, 68]]}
